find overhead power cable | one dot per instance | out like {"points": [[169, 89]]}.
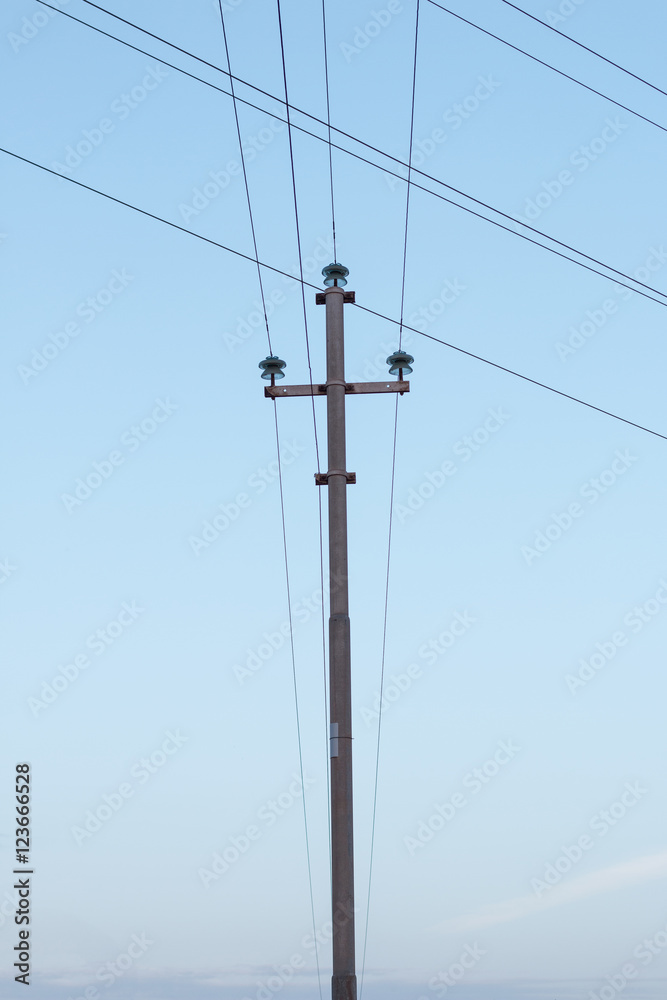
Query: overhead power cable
{"points": [[312, 402], [245, 178], [582, 46], [308, 284], [282, 503], [542, 62], [319, 492], [296, 694], [380, 714], [391, 506], [510, 371], [326, 82], [378, 166], [407, 191]]}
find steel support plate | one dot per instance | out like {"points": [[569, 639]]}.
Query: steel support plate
{"points": [[280, 391]]}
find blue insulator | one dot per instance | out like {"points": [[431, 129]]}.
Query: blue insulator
{"points": [[335, 274], [273, 367], [399, 362]]}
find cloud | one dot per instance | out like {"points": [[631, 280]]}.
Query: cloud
{"points": [[629, 873]]}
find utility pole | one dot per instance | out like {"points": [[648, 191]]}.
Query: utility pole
{"points": [[336, 479]]}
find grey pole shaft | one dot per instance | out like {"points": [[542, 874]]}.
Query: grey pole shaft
{"points": [[344, 980]]}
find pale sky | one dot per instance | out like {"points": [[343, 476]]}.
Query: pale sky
{"points": [[519, 849]]}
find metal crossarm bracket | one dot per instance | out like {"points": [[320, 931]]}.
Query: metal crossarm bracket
{"points": [[322, 478], [321, 298], [279, 391]]}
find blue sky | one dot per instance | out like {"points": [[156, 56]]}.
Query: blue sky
{"points": [[521, 794]]}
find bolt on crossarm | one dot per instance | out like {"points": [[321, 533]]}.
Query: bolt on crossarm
{"points": [[337, 479]]}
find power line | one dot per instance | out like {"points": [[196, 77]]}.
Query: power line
{"points": [[326, 80], [510, 371], [245, 178], [282, 500], [549, 66], [319, 492], [407, 192], [382, 665], [308, 284], [151, 215], [391, 505], [296, 223], [296, 693], [312, 401], [582, 46], [378, 166]]}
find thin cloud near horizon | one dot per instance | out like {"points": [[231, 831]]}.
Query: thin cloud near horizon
{"points": [[619, 876]]}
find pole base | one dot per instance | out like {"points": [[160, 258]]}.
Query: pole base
{"points": [[343, 988]]}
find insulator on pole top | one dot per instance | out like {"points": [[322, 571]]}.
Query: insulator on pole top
{"points": [[400, 363], [272, 368], [335, 274]]}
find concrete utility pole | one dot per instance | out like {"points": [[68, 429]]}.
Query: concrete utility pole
{"points": [[344, 980]]}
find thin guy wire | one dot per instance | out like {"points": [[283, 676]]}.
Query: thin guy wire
{"points": [[407, 193], [326, 80], [371, 163], [282, 504], [296, 693], [582, 46], [319, 494], [373, 312], [325, 683], [312, 397], [549, 66], [245, 178], [384, 649], [298, 230]]}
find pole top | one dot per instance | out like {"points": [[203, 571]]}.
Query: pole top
{"points": [[335, 274]]}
